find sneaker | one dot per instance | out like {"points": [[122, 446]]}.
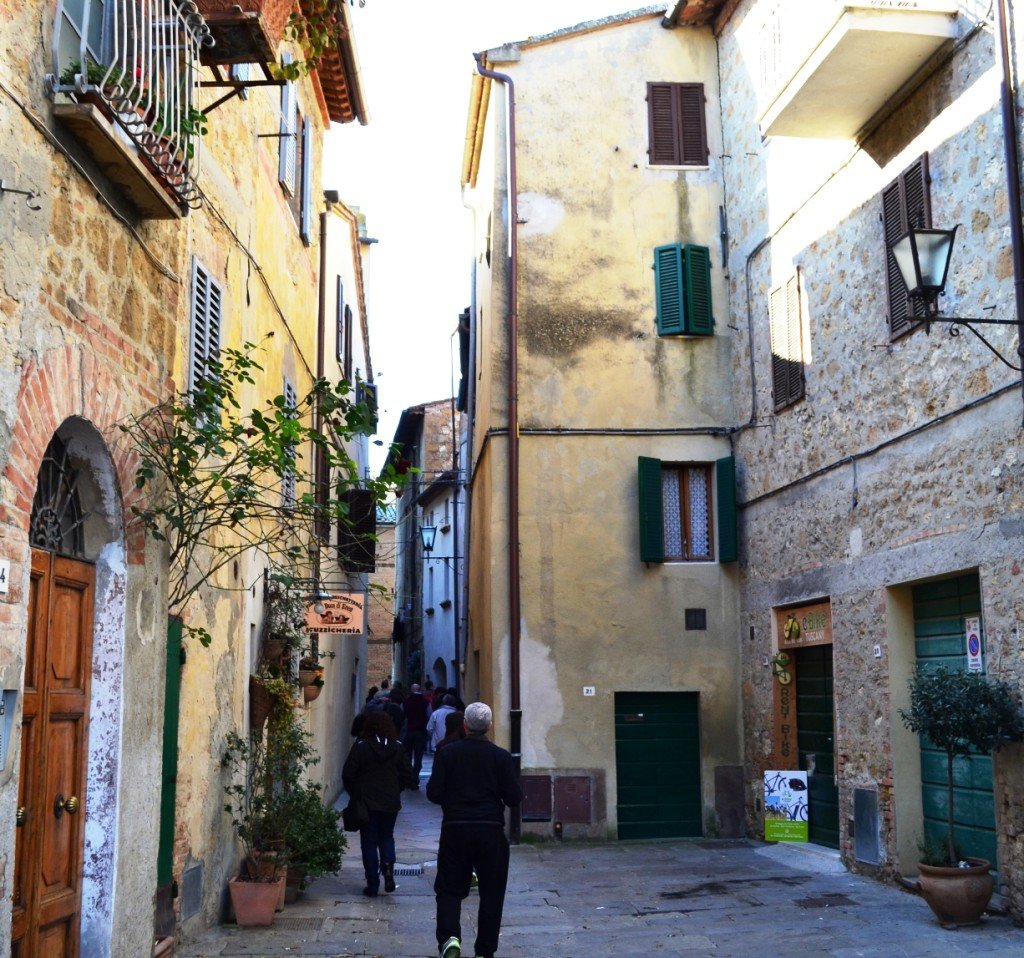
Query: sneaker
{"points": [[388, 871], [452, 948]]}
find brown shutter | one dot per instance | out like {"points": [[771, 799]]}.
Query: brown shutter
{"points": [[357, 534], [692, 123], [787, 343], [905, 203], [664, 130], [794, 335]]}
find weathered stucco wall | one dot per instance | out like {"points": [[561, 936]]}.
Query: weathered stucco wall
{"points": [[902, 463], [597, 388]]}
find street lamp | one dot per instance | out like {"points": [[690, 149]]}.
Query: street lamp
{"points": [[427, 533], [923, 256], [317, 598]]}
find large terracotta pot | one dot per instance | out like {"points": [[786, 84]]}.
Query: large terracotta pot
{"points": [[310, 693], [958, 896], [254, 901]]}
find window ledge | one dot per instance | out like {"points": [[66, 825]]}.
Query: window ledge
{"points": [[677, 169], [118, 160]]}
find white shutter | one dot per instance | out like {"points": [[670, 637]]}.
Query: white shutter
{"points": [[306, 217], [205, 322], [287, 144], [291, 401]]}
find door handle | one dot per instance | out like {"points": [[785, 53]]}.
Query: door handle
{"points": [[62, 805]]}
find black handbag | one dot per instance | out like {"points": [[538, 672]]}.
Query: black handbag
{"points": [[354, 815]]}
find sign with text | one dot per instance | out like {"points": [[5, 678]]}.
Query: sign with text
{"points": [[805, 625], [344, 614], [972, 638], [785, 806]]}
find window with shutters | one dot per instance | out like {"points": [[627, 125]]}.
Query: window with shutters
{"points": [[288, 481], [682, 281], [305, 161], [367, 393], [676, 510], [677, 126], [905, 203], [205, 323], [357, 531], [786, 324]]}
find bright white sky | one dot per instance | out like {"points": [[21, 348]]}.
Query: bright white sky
{"points": [[402, 171]]}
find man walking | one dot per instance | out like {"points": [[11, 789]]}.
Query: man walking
{"points": [[417, 711], [473, 780]]}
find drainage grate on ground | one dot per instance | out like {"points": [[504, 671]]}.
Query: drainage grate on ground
{"points": [[823, 901], [298, 923], [408, 871], [724, 843]]}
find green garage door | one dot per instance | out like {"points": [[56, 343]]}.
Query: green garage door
{"points": [[657, 762], [939, 612]]}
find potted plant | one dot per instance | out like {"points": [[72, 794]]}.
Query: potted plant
{"points": [[284, 623], [103, 84], [960, 713], [264, 772], [315, 843], [311, 692]]}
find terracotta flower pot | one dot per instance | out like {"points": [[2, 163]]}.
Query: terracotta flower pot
{"points": [[957, 896], [254, 902], [306, 677], [261, 703], [294, 879], [310, 693]]}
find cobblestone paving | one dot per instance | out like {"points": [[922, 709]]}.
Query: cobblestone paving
{"points": [[722, 899]]}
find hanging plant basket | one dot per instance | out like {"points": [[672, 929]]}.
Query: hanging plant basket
{"points": [[311, 692], [261, 703], [307, 677], [273, 649]]}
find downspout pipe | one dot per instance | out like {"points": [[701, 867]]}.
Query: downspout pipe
{"points": [[321, 320], [514, 611], [1012, 154]]}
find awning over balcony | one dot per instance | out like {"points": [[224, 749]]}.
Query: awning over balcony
{"points": [[845, 73]]}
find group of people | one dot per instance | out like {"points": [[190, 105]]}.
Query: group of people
{"points": [[472, 779]]}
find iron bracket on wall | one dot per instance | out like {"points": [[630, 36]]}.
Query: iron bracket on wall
{"points": [[969, 324], [29, 195], [235, 86]]}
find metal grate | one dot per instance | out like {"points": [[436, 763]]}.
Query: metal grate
{"points": [[823, 901], [298, 923], [408, 871], [724, 843]]}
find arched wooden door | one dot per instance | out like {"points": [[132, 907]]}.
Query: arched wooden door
{"points": [[50, 834]]}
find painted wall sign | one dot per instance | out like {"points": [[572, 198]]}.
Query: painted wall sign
{"points": [[805, 625], [972, 639], [785, 806], [344, 614]]}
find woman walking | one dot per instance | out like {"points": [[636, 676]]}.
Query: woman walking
{"points": [[375, 772]]}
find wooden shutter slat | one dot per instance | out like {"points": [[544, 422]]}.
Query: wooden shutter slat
{"points": [[728, 531], [893, 227], [663, 127], [668, 283], [652, 529], [776, 329], [794, 339], [697, 280], [692, 125]]}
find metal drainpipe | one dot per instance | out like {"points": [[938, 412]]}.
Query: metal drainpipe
{"points": [[318, 416], [1012, 172], [515, 707]]}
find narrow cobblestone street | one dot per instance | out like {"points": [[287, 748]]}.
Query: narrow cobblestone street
{"points": [[727, 899]]}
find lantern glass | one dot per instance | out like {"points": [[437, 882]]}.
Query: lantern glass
{"points": [[428, 533], [922, 256]]}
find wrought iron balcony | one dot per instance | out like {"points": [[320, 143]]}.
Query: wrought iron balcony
{"points": [[829, 66], [132, 69]]}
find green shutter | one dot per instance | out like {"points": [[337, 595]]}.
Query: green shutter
{"points": [[172, 699], [697, 283], [652, 529], [668, 283], [728, 537]]}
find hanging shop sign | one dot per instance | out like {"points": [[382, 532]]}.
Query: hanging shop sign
{"points": [[785, 806], [344, 614], [972, 639], [804, 626], [785, 748]]}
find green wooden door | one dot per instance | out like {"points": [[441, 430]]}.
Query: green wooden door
{"points": [[939, 612], [169, 775], [657, 762], [815, 713]]}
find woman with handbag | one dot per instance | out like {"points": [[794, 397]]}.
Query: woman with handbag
{"points": [[375, 772]]}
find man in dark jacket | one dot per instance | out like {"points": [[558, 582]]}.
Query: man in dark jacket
{"points": [[473, 780], [417, 711]]}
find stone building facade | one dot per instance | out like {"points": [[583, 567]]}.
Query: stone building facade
{"points": [[125, 239]]}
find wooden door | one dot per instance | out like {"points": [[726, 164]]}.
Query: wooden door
{"points": [[51, 802], [657, 763]]}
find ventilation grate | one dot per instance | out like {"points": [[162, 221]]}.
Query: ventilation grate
{"points": [[823, 901], [408, 871], [298, 923]]}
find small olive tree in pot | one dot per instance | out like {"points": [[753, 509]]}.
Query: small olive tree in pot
{"points": [[960, 712]]}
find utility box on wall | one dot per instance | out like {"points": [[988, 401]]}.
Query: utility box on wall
{"points": [[536, 805], [573, 799]]}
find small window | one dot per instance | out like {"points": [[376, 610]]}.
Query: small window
{"points": [[905, 203], [682, 282], [676, 124], [786, 326], [676, 518], [696, 620], [205, 323]]}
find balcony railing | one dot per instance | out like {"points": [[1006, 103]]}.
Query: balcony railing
{"points": [[137, 62]]}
